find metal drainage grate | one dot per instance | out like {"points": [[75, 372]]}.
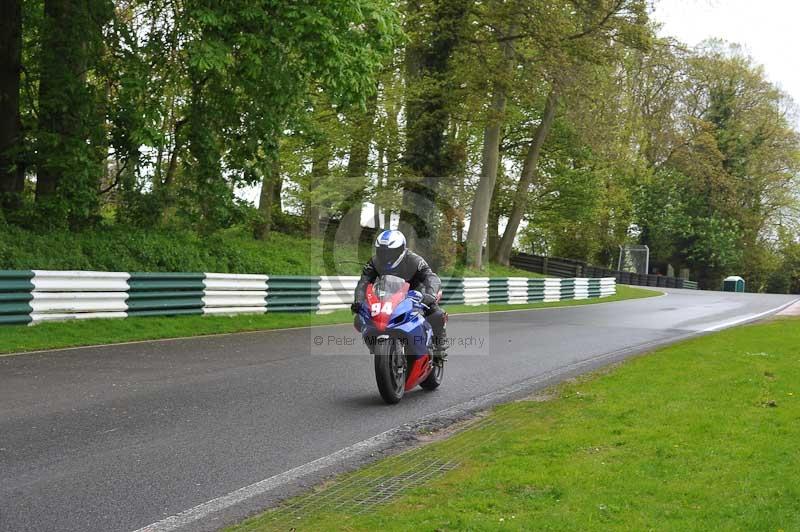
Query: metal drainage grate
{"points": [[363, 490], [390, 486]]}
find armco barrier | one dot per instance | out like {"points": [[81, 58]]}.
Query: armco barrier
{"points": [[498, 290], [170, 294], [228, 293], [336, 292], [64, 295], [31, 296], [15, 297], [452, 291], [292, 294], [476, 290], [517, 290], [559, 267]]}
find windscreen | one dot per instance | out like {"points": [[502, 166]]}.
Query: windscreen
{"points": [[388, 285]]}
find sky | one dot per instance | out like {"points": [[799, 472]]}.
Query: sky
{"points": [[767, 29]]}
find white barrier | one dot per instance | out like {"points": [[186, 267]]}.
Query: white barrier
{"points": [[336, 292], [476, 290], [228, 293], [517, 290], [61, 295]]}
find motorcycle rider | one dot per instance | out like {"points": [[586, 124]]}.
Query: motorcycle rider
{"points": [[392, 257]]}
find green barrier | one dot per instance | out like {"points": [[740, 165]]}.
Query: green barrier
{"points": [[535, 290], [15, 296], [498, 290], [452, 291], [293, 294], [165, 294], [147, 281]]}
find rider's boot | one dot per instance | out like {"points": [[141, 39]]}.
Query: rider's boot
{"points": [[440, 346]]}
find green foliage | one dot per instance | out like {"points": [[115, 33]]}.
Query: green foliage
{"points": [[119, 248], [729, 173], [168, 105]]}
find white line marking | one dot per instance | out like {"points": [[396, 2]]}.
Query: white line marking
{"points": [[202, 511], [751, 317]]}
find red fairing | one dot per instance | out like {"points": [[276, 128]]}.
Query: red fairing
{"points": [[380, 310], [419, 371], [373, 302]]}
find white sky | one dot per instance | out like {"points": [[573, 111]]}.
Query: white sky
{"points": [[767, 29]]}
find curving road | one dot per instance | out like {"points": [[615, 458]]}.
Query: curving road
{"points": [[116, 438]]}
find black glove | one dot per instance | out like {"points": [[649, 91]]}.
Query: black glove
{"points": [[428, 300], [354, 307]]}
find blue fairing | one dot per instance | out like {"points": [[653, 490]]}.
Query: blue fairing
{"points": [[406, 321]]}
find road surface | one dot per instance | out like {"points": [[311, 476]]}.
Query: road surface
{"points": [[115, 438]]}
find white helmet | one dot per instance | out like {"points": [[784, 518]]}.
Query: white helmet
{"points": [[390, 249]]}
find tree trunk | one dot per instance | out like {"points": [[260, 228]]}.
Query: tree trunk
{"points": [[56, 122], [277, 191], [380, 172], [205, 147], [460, 141], [529, 171], [65, 103], [493, 224], [266, 204], [427, 119], [357, 166], [483, 196], [393, 144], [319, 172], [12, 173], [173, 157], [492, 135]]}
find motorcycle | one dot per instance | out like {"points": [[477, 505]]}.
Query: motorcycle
{"points": [[399, 337]]}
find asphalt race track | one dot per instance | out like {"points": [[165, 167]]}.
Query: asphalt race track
{"points": [[116, 438]]}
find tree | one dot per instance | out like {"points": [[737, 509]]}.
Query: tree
{"points": [[12, 172], [437, 27], [527, 176], [361, 135], [491, 151], [269, 183], [737, 158], [544, 55], [69, 130]]}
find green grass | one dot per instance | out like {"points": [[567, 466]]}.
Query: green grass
{"points": [[118, 248], [701, 436], [56, 335]]}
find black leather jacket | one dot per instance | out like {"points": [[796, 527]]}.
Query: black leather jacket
{"points": [[413, 269]]}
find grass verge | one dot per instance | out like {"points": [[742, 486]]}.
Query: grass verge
{"points": [[16, 339], [119, 248], [701, 435]]}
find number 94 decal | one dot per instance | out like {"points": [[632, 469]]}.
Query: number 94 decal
{"points": [[376, 309]]}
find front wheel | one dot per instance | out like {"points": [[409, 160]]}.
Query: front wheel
{"points": [[391, 369]]}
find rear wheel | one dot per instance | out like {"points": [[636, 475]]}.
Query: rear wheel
{"points": [[435, 378], [391, 369]]}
